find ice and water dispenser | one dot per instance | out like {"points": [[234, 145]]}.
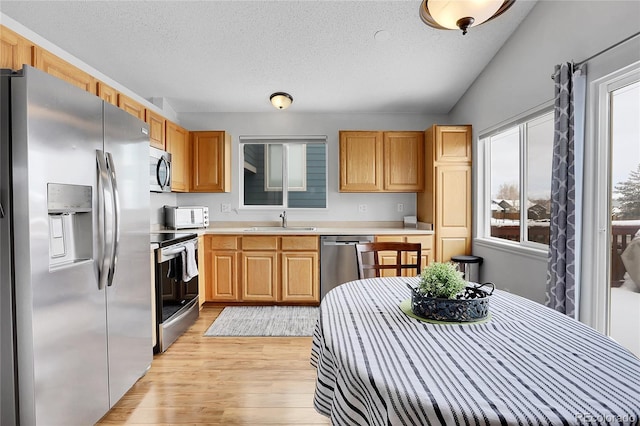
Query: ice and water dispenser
{"points": [[70, 223]]}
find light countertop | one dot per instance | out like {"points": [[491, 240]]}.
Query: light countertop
{"points": [[297, 228]]}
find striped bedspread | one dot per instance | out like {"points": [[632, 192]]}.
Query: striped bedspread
{"points": [[527, 365]]}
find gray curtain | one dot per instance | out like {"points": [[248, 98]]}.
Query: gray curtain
{"points": [[561, 272]]}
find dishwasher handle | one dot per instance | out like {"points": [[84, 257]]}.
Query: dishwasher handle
{"points": [[343, 243]]}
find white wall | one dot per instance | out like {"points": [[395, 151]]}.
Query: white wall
{"points": [[341, 206], [518, 79]]}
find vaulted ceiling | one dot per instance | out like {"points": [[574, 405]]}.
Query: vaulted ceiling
{"points": [[229, 56]]}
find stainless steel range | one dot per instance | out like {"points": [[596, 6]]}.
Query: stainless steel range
{"points": [[176, 289]]}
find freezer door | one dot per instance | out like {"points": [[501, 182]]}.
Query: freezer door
{"points": [[128, 290], [7, 360], [60, 312]]}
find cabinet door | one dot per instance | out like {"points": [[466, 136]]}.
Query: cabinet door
{"points": [[132, 107], [452, 143], [453, 211], [360, 161], [300, 278], [211, 161], [259, 276], [177, 140], [403, 161], [107, 93], [222, 276], [156, 124], [63, 70], [15, 50], [426, 241]]}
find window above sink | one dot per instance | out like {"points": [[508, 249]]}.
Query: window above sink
{"points": [[269, 161]]}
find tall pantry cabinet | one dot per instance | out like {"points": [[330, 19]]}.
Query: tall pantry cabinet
{"points": [[446, 200]]}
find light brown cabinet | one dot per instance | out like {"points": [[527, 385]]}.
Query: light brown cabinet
{"points": [[157, 129], [360, 161], [107, 93], [259, 268], [221, 266], [299, 260], [377, 161], [51, 64], [211, 158], [446, 200], [262, 268], [403, 161], [177, 143], [426, 242], [134, 108], [15, 50]]}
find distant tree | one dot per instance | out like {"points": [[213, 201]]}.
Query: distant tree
{"points": [[508, 191], [629, 200]]}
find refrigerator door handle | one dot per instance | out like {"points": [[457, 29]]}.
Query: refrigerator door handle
{"points": [[116, 217], [105, 222]]}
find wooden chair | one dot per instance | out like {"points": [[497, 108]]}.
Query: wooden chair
{"points": [[369, 258]]}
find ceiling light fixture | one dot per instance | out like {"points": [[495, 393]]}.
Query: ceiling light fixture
{"points": [[454, 14], [281, 100]]}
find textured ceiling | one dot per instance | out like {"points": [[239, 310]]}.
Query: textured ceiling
{"points": [[229, 56]]}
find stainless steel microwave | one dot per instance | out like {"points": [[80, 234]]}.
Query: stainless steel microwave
{"points": [[186, 217], [159, 170]]}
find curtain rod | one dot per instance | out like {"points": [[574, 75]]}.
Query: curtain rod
{"points": [[608, 49], [613, 46]]}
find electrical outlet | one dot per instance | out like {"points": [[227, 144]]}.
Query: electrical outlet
{"points": [[400, 207], [225, 208], [362, 208]]}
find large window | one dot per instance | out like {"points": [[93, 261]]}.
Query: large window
{"points": [[268, 162], [518, 181]]}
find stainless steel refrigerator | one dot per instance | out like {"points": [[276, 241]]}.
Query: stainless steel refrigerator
{"points": [[75, 294]]}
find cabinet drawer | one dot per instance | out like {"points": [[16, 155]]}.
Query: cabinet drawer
{"points": [[425, 240], [226, 242], [260, 243], [300, 243]]}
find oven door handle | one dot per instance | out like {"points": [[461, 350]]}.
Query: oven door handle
{"points": [[173, 251]]}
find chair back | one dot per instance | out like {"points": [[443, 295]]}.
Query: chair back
{"points": [[388, 256]]}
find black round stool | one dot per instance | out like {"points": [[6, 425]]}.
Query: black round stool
{"points": [[469, 266]]}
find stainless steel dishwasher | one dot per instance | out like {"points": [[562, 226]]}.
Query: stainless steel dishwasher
{"points": [[338, 260]]}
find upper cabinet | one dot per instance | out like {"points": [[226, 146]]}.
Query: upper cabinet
{"points": [[451, 144], [107, 93], [15, 50], [177, 143], [403, 161], [57, 67], [360, 161], [132, 107], [157, 130], [446, 200], [381, 161], [211, 158]]}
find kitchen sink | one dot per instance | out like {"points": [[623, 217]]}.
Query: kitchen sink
{"points": [[281, 229]]}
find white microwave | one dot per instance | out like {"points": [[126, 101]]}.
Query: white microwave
{"points": [[186, 217], [159, 170]]}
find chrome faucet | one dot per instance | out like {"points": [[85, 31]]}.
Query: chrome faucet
{"points": [[283, 215]]}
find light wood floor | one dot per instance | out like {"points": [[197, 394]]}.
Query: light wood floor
{"points": [[224, 381]]}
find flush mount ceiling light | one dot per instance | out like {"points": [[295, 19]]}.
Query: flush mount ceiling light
{"points": [[281, 100], [454, 14]]}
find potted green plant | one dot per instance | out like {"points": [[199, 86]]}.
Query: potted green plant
{"points": [[443, 295], [441, 280]]}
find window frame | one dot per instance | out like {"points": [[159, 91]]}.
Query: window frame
{"points": [[284, 140], [483, 235]]}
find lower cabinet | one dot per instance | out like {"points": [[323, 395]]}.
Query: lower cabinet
{"points": [[262, 268], [426, 253]]}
